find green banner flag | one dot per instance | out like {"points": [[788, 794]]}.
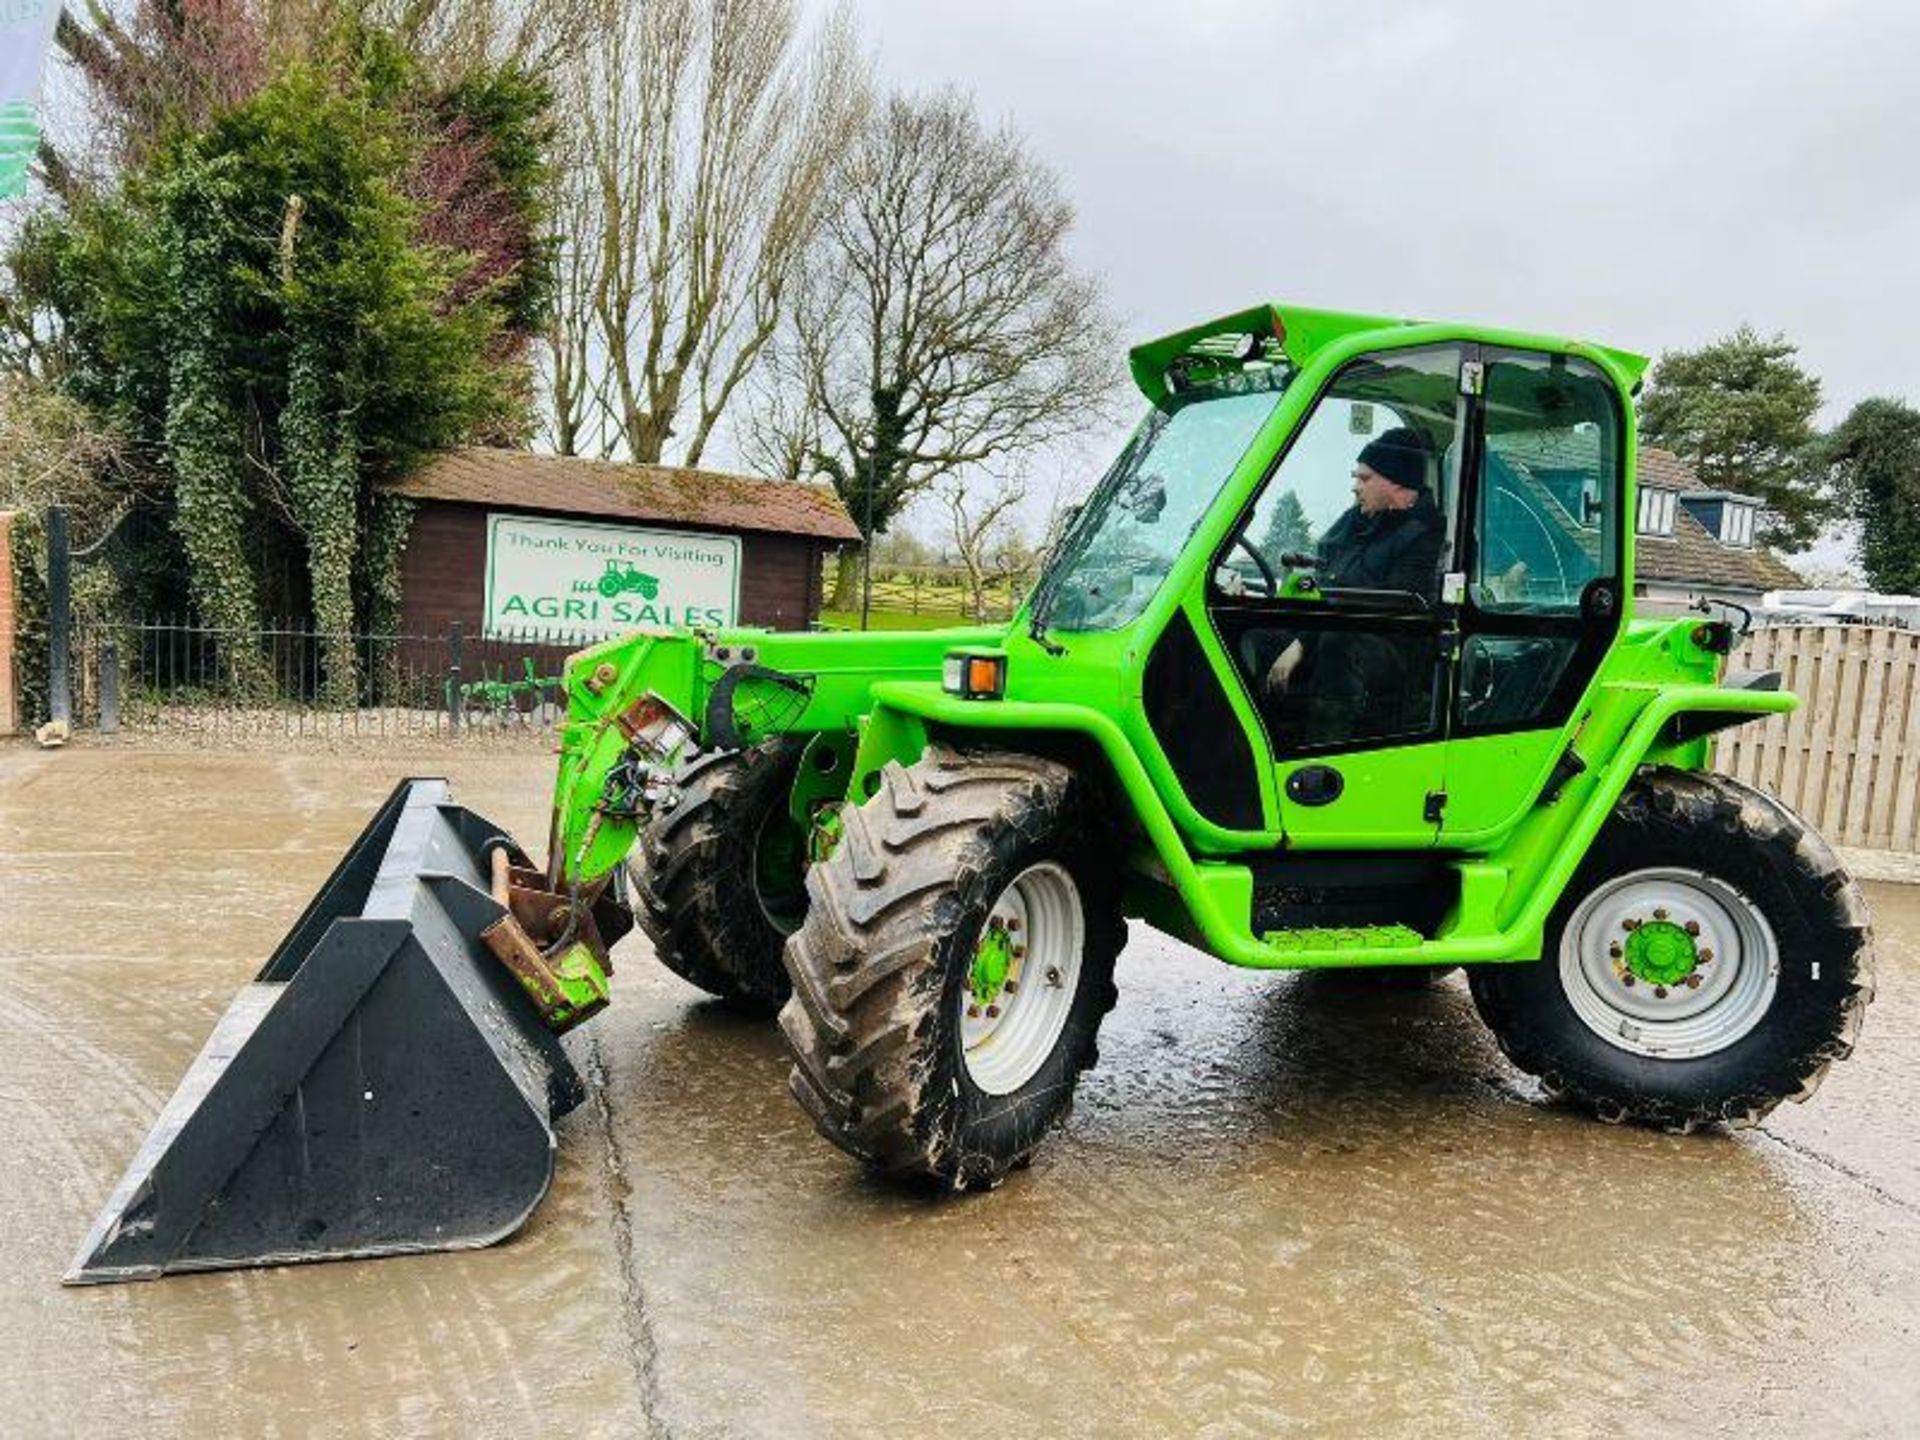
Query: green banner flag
{"points": [[26, 29]]}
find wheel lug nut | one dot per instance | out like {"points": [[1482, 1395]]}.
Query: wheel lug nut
{"points": [[1013, 922], [1013, 987], [1629, 924], [1693, 927], [1659, 992], [1627, 979], [993, 1012], [1693, 982], [1614, 950], [1706, 954], [1660, 914], [973, 1012], [1019, 952]]}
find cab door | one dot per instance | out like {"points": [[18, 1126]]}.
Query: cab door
{"points": [[1540, 575], [1352, 679]]}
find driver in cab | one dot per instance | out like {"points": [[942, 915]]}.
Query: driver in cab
{"points": [[1391, 539]]}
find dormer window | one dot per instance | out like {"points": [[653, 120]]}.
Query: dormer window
{"points": [[1736, 525], [1656, 512]]}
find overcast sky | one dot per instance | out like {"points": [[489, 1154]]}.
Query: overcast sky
{"points": [[1645, 175], [1649, 176]]}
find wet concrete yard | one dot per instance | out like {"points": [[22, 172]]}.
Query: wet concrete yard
{"points": [[1283, 1205]]}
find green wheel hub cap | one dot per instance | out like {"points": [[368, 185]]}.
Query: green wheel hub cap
{"points": [[992, 958], [1661, 953]]}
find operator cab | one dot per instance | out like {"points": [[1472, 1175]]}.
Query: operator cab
{"points": [[1483, 577]]}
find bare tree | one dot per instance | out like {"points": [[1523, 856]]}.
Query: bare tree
{"points": [[979, 526], [706, 133], [573, 412], [940, 326], [782, 434], [53, 450], [457, 36]]}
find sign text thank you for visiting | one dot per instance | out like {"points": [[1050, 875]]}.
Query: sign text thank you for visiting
{"points": [[590, 581]]}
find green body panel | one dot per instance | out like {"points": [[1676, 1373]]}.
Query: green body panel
{"points": [[682, 668], [1382, 807], [1517, 816], [580, 988]]}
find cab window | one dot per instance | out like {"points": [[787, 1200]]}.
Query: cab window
{"points": [[1545, 524], [1545, 534], [1328, 594]]}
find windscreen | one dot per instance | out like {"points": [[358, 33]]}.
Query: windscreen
{"points": [[1149, 503]]}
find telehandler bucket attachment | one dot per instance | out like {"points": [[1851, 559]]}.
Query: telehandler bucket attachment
{"points": [[388, 1083]]}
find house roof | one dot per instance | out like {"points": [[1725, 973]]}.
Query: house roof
{"points": [[1665, 470], [1692, 555], [609, 489]]}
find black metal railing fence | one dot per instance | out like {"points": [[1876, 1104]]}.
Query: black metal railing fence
{"points": [[287, 678]]}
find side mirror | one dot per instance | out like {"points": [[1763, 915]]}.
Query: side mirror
{"points": [[1144, 497]]}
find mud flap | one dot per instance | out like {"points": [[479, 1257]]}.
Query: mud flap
{"points": [[384, 1086]]}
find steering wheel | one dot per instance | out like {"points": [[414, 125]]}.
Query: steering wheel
{"points": [[1267, 577]]}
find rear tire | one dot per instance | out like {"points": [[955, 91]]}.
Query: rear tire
{"points": [[1754, 1024], [720, 877], [956, 853]]}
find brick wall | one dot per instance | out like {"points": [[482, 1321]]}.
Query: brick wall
{"points": [[9, 612], [443, 573]]}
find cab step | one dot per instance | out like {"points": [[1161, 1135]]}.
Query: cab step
{"points": [[1353, 940]]}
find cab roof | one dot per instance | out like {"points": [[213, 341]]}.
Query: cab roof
{"points": [[1299, 331]]}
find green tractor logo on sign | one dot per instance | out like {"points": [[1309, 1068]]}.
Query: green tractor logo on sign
{"points": [[619, 579]]}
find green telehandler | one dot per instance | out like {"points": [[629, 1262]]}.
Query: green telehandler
{"points": [[1338, 666]]}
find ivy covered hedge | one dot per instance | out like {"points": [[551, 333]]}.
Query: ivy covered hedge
{"points": [[296, 299]]}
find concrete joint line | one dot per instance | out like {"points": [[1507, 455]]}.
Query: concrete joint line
{"points": [[642, 1350], [1873, 1187]]}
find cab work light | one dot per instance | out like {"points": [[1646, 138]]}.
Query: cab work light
{"points": [[974, 676]]}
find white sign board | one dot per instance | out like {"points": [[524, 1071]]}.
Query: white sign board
{"points": [[590, 581], [25, 28]]}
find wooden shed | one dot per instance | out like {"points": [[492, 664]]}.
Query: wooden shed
{"points": [[510, 543]]}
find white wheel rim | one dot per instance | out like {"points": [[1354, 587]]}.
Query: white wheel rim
{"points": [[1725, 997], [1006, 1038]]}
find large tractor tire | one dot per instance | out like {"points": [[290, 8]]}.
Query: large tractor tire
{"points": [[955, 963], [720, 876], [1710, 959]]}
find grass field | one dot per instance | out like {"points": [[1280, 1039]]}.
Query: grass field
{"points": [[929, 598], [879, 619]]}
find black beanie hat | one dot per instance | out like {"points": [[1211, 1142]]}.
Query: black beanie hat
{"points": [[1400, 455]]}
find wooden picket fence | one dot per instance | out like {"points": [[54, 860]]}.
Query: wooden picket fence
{"points": [[1848, 760]]}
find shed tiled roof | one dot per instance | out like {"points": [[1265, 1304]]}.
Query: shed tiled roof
{"points": [[608, 489]]}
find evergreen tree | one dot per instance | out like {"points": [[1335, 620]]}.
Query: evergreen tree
{"points": [[1288, 529], [1875, 460], [294, 299], [1740, 412]]}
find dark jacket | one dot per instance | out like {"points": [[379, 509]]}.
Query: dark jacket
{"points": [[1390, 550], [1362, 683]]}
